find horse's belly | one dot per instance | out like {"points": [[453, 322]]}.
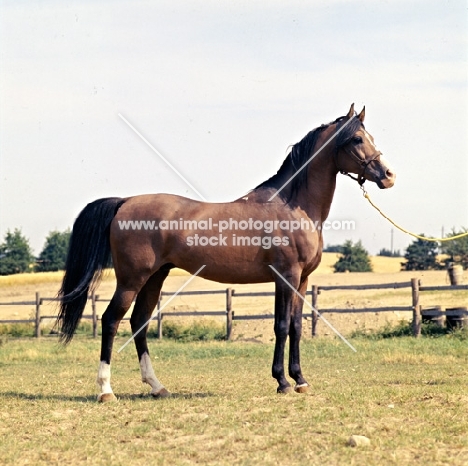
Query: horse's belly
{"points": [[228, 265]]}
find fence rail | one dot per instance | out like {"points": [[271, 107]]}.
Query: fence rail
{"points": [[376, 286], [457, 316]]}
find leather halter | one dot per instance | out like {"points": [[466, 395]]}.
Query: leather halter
{"points": [[362, 162]]}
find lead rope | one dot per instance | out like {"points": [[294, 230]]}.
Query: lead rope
{"points": [[366, 195]]}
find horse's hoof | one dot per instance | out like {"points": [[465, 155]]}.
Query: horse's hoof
{"points": [[301, 388], [163, 393], [284, 390], [106, 397]]}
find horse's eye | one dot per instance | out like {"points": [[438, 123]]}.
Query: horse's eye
{"points": [[357, 140]]}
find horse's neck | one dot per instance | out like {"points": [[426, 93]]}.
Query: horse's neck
{"points": [[316, 197]]}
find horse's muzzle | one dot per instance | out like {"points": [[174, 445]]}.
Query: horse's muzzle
{"points": [[387, 181]]}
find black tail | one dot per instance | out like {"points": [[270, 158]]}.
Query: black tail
{"points": [[88, 255]]}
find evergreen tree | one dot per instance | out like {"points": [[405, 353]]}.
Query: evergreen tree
{"points": [[354, 258], [457, 249], [15, 253], [421, 255], [54, 253]]}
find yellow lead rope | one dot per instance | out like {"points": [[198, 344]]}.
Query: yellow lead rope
{"points": [[366, 195]]}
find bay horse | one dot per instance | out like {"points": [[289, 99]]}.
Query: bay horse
{"points": [[253, 242]]}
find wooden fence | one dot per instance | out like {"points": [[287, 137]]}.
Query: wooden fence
{"points": [[39, 317], [454, 316]]}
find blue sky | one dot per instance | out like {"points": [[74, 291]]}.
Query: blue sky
{"points": [[222, 89]]}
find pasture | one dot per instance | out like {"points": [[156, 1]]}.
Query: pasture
{"points": [[408, 396]]}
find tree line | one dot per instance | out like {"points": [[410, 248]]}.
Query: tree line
{"points": [[16, 255], [419, 255]]}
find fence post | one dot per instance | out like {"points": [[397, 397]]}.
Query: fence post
{"points": [[416, 307], [38, 315], [93, 309], [159, 318], [315, 293], [228, 313]]}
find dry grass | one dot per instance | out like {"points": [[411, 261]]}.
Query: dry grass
{"points": [[22, 279], [408, 396], [380, 265]]}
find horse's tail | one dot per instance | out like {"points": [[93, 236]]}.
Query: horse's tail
{"points": [[88, 255]]}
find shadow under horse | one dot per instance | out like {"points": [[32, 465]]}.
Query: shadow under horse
{"points": [[273, 234]]}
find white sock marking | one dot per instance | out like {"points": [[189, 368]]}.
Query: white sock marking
{"points": [[147, 374], [103, 378]]}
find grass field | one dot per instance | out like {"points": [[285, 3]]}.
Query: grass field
{"points": [[408, 396]]}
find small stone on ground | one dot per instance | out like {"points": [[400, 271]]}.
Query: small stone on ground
{"points": [[358, 441]]}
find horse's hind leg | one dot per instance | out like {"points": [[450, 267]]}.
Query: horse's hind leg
{"points": [[115, 312], [145, 303]]}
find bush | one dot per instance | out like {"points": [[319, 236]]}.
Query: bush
{"points": [[354, 258]]}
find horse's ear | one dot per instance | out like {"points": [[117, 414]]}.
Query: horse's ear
{"points": [[351, 111], [362, 115]]}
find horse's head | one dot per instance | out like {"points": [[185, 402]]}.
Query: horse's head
{"points": [[356, 152]]}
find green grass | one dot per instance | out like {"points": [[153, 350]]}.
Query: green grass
{"points": [[407, 395], [404, 329], [203, 330], [17, 330], [28, 329]]}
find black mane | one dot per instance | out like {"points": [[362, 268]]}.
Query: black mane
{"points": [[302, 151]]}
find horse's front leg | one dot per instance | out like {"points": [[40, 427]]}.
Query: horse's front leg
{"points": [[283, 307], [295, 331]]}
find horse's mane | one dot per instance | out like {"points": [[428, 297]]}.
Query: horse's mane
{"points": [[302, 151]]}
